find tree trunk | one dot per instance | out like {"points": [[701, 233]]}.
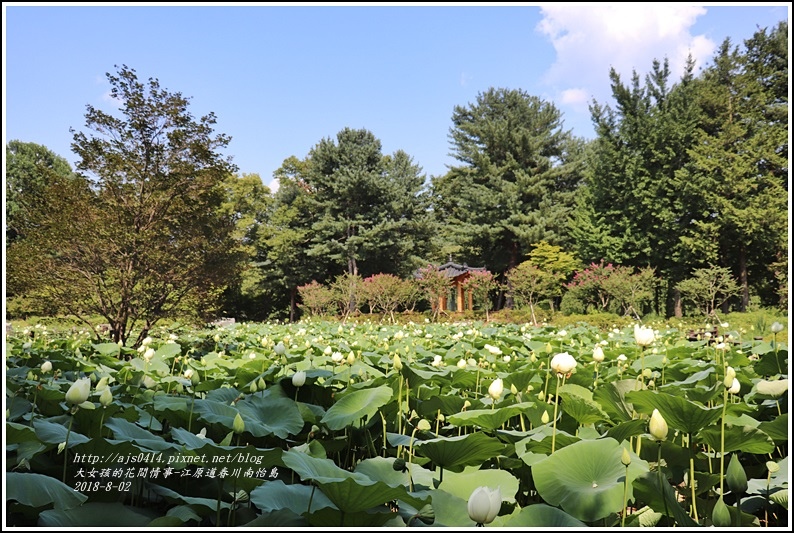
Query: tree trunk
{"points": [[678, 307], [292, 303], [743, 279]]}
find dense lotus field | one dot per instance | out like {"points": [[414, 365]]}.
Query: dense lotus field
{"points": [[421, 424]]}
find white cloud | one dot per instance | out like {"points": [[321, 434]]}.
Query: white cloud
{"points": [[273, 185], [590, 39]]}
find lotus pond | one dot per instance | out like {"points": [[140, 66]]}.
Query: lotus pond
{"points": [[422, 424]]}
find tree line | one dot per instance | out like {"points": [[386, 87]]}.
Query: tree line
{"points": [[682, 176]]}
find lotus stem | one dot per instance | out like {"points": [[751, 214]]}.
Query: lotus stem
{"points": [[66, 445], [625, 497], [554, 425]]}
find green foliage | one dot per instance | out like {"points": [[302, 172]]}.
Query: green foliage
{"points": [[709, 288], [385, 293], [138, 236], [435, 285], [481, 285]]}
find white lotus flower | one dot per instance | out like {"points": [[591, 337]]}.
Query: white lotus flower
{"points": [[735, 387], [462, 363], [643, 336], [493, 349], [598, 353], [496, 388], [46, 366], [79, 391], [148, 354], [563, 363], [484, 504], [776, 327], [299, 378]]}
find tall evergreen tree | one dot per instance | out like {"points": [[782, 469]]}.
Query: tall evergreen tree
{"points": [[515, 184]]}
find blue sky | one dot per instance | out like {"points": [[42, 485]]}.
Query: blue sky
{"points": [[282, 77]]}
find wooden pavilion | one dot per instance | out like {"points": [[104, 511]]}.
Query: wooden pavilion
{"points": [[458, 300]]}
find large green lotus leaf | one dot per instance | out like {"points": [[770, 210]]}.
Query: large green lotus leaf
{"points": [[679, 413], [184, 513], [350, 491], [127, 431], [662, 498], [582, 410], [450, 510], [279, 416], [737, 438], [586, 478], [202, 506], [645, 517], [625, 430], [356, 405], [611, 397], [52, 433], [381, 469], [328, 518], [212, 412], [280, 519], [540, 440], [777, 429], [96, 514], [455, 453], [168, 350], [771, 363], [463, 484], [447, 404], [275, 495], [107, 348], [190, 440], [489, 419], [780, 497], [38, 490], [416, 376], [683, 373], [543, 517], [155, 366]]}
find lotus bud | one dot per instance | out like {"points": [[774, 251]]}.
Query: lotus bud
{"points": [[533, 358], [261, 385], [106, 398], [188, 373], [549, 347], [646, 373], [542, 396], [513, 389], [148, 354], [238, 426], [217, 338], [657, 426], [484, 504], [423, 425], [776, 327], [496, 388], [299, 378], [252, 387], [735, 386], [46, 367], [397, 363], [735, 475], [625, 457], [79, 391], [280, 349], [545, 417], [720, 515], [462, 363], [351, 358]]}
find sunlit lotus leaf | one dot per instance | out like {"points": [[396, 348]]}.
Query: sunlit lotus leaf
{"points": [[770, 389], [168, 350], [762, 348], [611, 397], [214, 386], [275, 495], [96, 514], [416, 376], [679, 413], [38, 490], [489, 419], [652, 361], [381, 469], [279, 416], [155, 366], [625, 430], [312, 448], [777, 429], [52, 433], [462, 484], [177, 404], [772, 363], [737, 438], [127, 431], [190, 440], [350, 491], [455, 453], [645, 517], [780, 497], [539, 440], [542, 516], [354, 406], [686, 373], [586, 478], [183, 513], [107, 348], [582, 409], [450, 510]]}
